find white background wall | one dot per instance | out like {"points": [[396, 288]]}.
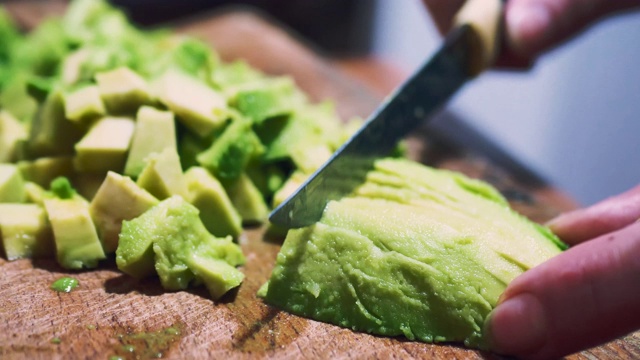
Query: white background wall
{"points": [[575, 117]]}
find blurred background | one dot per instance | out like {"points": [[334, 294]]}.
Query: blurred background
{"points": [[574, 118]]}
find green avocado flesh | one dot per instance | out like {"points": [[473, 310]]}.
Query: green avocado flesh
{"points": [[171, 240], [130, 117], [413, 252], [65, 284]]}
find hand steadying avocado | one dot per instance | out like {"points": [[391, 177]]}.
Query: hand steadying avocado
{"points": [[589, 294]]}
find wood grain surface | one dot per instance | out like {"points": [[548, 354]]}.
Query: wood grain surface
{"points": [[111, 314]]}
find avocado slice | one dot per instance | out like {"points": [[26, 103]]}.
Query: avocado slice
{"points": [[311, 130], [414, 251], [218, 276], [35, 193], [199, 107], [163, 177], [216, 210], [11, 184], [267, 98], [104, 148], [83, 105], [155, 131], [117, 199], [171, 237], [25, 231], [122, 90], [75, 236]]}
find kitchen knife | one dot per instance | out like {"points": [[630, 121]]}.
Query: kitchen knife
{"points": [[467, 50]]}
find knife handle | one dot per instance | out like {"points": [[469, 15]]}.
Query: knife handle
{"points": [[485, 18]]}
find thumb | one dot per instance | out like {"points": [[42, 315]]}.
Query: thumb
{"points": [[534, 26], [581, 298]]}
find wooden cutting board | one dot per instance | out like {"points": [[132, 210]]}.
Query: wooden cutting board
{"points": [[111, 314]]}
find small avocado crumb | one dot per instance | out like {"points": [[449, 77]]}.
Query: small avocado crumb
{"points": [[147, 344], [61, 187], [65, 284], [56, 340]]}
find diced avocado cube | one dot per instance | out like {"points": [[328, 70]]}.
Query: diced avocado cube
{"points": [[104, 147], [35, 193], [265, 99], [15, 99], [134, 254], [230, 153], [236, 73], [72, 66], [222, 248], [292, 184], [75, 236], [117, 199], [311, 132], [199, 107], [310, 158], [11, 184], [218, 276], [122, 90], [11, 133], [268, 178], [42, 171], [25, 231], [216, 210], [51, 133], [247, 199], [163, 177], [84, 104], [175, 233], [155, 131], [190, 146]]}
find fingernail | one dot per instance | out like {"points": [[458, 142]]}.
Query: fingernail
{"points": [[517, 326], [563, 220], [555, 221], [528, 28]]}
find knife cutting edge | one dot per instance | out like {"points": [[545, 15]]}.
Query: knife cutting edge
{"points": [[467, 50]]}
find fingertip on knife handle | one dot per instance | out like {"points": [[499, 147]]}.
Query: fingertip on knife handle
{"points": [[485, 18]]}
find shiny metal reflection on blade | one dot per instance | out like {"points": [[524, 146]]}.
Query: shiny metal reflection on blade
{"points": [[411, 104]]}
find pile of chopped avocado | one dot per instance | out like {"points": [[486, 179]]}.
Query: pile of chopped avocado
{"points": [[145, 144], [413, 252], [134, 120]]}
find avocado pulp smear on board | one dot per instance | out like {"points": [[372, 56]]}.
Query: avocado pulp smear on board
{"points": [[414, 251]]}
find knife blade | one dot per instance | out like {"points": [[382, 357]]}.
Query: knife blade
{"points": [[467, 50]]}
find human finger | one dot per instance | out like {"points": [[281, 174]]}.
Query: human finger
{"points": [[604, 217], [535, 26], [443, 12], [581, 298]]}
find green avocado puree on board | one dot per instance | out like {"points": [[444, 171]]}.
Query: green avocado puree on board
{"points": [[65, 284]]}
